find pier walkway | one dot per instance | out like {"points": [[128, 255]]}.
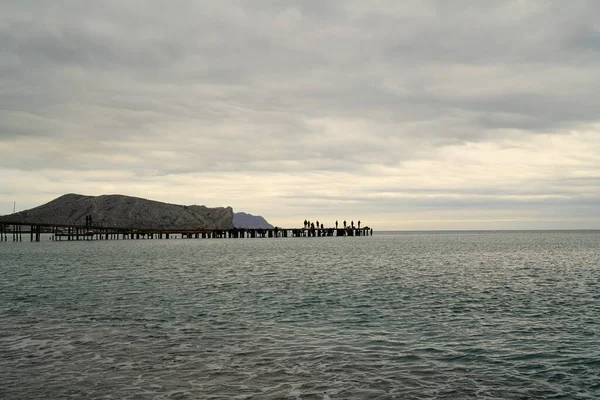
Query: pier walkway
{"points": [[15, 231]]}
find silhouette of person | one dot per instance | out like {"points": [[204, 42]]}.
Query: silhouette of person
{"points": [[336, 224], [305, 224], [317, 224], [321, 226], [352, 224], [344, 224], [358, 224]]}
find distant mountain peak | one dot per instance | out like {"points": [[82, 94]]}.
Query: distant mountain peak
{"points": [[120, 211], [249, 221]]}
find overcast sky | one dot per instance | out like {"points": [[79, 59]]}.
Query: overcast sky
{"points": [[404, 115]]}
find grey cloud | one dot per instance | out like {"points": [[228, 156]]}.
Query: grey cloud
{"points": [[237, 52], [231, 86]]}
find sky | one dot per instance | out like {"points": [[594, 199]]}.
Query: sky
{"points": [[411, 115]]}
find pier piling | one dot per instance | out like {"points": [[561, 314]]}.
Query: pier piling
{"points": [[58, 232]]}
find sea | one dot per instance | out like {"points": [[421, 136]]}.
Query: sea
{"points": [[397, 315]]}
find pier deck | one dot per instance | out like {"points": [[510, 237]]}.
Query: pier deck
{"points": [[59, 232]]}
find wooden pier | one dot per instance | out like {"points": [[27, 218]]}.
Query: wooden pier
{"points": [[15, 231]]}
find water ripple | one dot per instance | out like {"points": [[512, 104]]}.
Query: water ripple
{"points": [[417, 316]]}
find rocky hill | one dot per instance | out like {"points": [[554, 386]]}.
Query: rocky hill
{"points": [[125, 212], [249, 221]]}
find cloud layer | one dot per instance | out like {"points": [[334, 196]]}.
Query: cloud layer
{"points": [[419, 115]]}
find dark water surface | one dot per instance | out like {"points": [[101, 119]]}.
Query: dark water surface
{"points": [[407, 316]]}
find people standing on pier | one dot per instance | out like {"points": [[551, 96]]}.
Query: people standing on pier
{"points": [[336, 224], [352, 223], [321, 225], [305, 224], [317, 224], [344, 224]]}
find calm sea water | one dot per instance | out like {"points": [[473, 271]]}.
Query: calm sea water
{"points": [[408, 316]]}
